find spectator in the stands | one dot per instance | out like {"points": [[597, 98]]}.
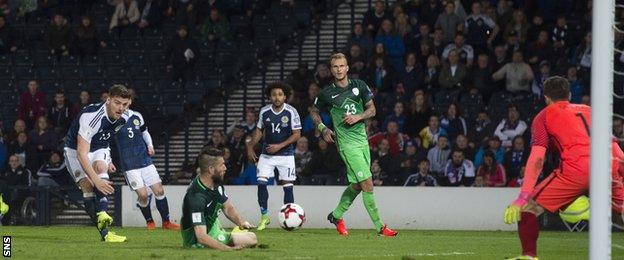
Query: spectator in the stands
{"points": [[16, 174], [322, 75], [481, 128], [462, 143], [393, 43], [453, 74], [412, 156], [464, 51], [519, 25], [416, 38], [308, 99], [379, 176], [422, 177], [510, 127], [480, 29], [186, 12], [361, 38], [401, 21], [325, 165], [544, 73], [490, 173], [216, 28], [577, 90], [151, 13], [512, 43], [60, 113], [480, 77], [412, 74], [54, 173], [217, 140], [449, 21], [396, 139], [18, 127], [432, 74], [32, 103], [84, 99], [381, 74], [104, 95], [389, 163], [428, 12], [44, 140], [516, 157], [540, 50], [9, 40], [499, 59], [417, 114], [301, 78], [518, 75], [453, 123], [374, 17], [358, 62], [494, 145], [458, 170], [86, 40], [22, 149], [397, 116], [429, 135], [126, 13], [560, 36], [438, 155], [582, 57], [182, 55], [303, 156], [58, 36]]}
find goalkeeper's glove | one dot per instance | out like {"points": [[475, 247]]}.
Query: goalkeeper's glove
{"points": [[512, 212]]}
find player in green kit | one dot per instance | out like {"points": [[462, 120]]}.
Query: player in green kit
{"points": [[349, 102], [204, 198]]}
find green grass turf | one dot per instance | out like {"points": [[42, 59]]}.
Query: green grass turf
{"points": [[82, 243]]}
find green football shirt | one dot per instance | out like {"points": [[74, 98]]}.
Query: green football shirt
{"points": [[350, 100], [201, 206]]}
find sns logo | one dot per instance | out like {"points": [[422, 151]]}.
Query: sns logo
{"points": [[6, 246]]}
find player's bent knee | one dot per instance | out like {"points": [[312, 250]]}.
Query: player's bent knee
{"points": [[245, 239], [158, 189], [100, 167]]}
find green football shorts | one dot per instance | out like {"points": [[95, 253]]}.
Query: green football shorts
{"points": [[358, 161], [217, 233]]}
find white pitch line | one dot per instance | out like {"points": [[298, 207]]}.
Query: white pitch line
{"points": [[393, 255], [617, 246]]}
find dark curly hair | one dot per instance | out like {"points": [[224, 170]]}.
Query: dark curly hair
{"points": [[278, 85]]}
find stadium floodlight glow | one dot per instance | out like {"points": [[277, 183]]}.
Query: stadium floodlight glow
{"points": [[602, 114]]}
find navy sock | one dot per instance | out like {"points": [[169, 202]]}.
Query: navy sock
{"points": [[102, 204], [263, 197], [163, 208], [289, 197], [89, 204], [146, 211]]}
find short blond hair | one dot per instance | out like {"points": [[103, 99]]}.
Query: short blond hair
{"points": [[337, 56]]}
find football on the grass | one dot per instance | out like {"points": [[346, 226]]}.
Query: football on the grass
{"points": [[291, 216]]}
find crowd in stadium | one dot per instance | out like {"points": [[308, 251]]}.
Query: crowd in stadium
{"points": [[456, 84]]}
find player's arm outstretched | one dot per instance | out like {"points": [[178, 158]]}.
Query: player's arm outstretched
{"points": [[85, 133], [369, 111], [203, 238], [232, 214], [533, 168]]}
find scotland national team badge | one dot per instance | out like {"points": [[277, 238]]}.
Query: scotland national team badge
{"points": [[77, 173], [136, 122], [284, 121], [355, 91]]}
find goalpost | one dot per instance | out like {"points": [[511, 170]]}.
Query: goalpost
{"points": [[602, 114]]}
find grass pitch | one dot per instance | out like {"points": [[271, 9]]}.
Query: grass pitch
{"points": [[82, 243]]}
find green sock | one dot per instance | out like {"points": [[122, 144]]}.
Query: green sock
{"points": [[348, 196], [369, 204]]}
